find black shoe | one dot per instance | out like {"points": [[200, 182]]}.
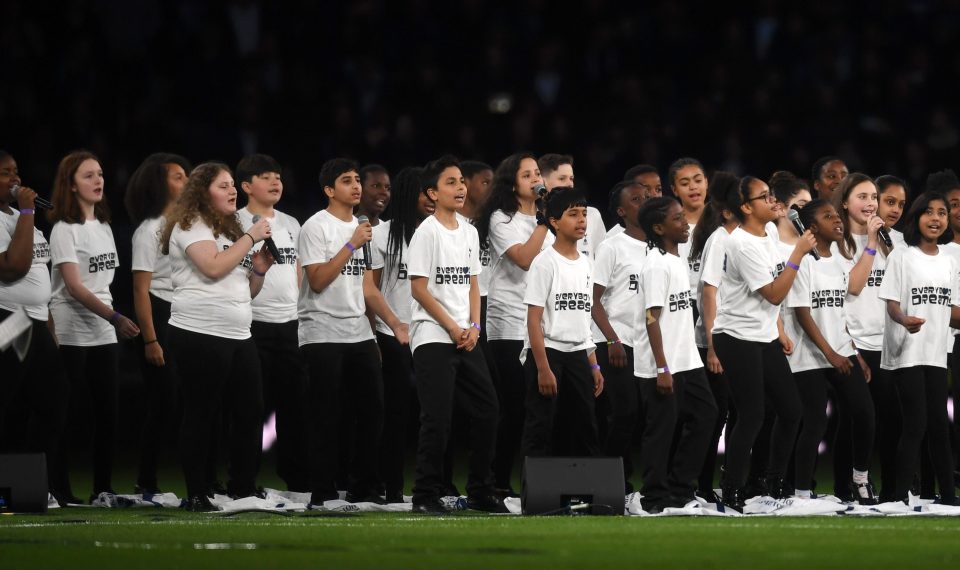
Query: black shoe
{"points": [[506, 492], [949, 501], [216, 488], [756, 487], [429, 507], [775, 488], [146, 490], [449, 490], [199, 504], [711, 497], [243, 494], [487, 502], [734, 499], [863, 493], [680, 501], [66, 499], [394, 497], [365, 498]]}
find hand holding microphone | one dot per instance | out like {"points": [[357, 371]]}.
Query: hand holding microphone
{"points": [[541, 203], [794, 218], [365, 231], [28, 199], [267, 240]]}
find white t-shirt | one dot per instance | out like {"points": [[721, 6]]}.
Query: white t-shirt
{"points": [[896, 236], [32, 291], [617, 268], [447, 258], [821, 286], [616, 229], [790, 326], [90, 245], [394, 280], [751, 262], [564, 288], [695, 266], [596, 233], [217, 307], [711, 263], [665, 283], [336, 315], [953, 250], [926, 287], [865, 312], [483, 280], [506, 312], [148, 257], [277, 300]]}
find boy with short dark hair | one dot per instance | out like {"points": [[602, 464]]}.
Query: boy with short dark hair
{"points": [[557, 172], [274, 326], [559, 351], [336, 339], [443, 264]]}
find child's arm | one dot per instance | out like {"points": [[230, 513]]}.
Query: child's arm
{"points": [[810, 328], [375, 302], [861, 271], [912, 324], [321, 275], [664, 379], [418, 289], [546, 381], [597, 375], [709, 297], [617, 355], [523, 254], [472, 334]]}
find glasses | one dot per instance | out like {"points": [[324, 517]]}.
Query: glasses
{"points": [[767, 197]]}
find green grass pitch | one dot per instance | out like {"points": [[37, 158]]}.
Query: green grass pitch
{"points": [[176, 540]]}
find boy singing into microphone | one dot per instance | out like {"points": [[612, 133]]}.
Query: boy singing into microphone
{"points": [[335, 337]]}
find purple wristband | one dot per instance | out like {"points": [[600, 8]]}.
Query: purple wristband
{"points": [[793, 266], [350, 247], [27, 211], [595, 367], [869, 251], [114, 317]]}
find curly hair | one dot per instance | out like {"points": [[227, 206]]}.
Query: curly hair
{"points": [[147, 190], [195, 203]]}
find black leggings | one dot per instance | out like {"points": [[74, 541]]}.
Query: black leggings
{"points": [[886, 405], [721, 396], [923, 403], [621, 390], [159, 397], [398, 389], [95, 367], [34, 411], [758, 371], [215, 372], [858, 410]]}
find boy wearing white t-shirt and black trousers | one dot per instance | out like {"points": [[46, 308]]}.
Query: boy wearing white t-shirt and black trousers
{"points": [[673, 384], [336, 341], [559, 354], [274, 326], [444, 262]]}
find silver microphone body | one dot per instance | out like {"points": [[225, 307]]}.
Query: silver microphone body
{"points": [[367, 256], [38, 202], [268, 241], [794, 218]]}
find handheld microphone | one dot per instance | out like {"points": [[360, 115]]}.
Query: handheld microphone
{"points": [[367, 257], [794, 218], [885, 236], [268, 241], [38, 202], [540, 190]]}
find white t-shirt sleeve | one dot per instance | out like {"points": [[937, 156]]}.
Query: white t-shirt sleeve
{"points": [[198, 232], [504, 234], [539, 279], [892, 279], [476, 267], [419, 254], [603, 265], [63, 244], [655, 281], [754, 264], [312, 244], [146, 248]]}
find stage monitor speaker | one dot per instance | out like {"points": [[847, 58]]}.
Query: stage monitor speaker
{"points": [[565, 485], [23, 483]]}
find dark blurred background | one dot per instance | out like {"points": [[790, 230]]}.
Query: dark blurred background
{"points": [[750, 87]]}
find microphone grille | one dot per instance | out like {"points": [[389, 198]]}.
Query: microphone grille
{"points": [[256, 218], [14, 188], [792, 214], [362, 219]]}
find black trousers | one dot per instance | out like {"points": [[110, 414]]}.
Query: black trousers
{"points": [[345, 378], [446, 376], [397, 392], [923, 404], [575, 385], [35, 399], [94, 367], [858, 410], [511, 390], [284, 391], [758, 371], [621, 392], [886, 405], [692, 412], [721, 397], [219, 374], [159, 399]]}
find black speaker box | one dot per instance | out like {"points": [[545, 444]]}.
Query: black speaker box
{"points": [[23, 483], [565, 485]]}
